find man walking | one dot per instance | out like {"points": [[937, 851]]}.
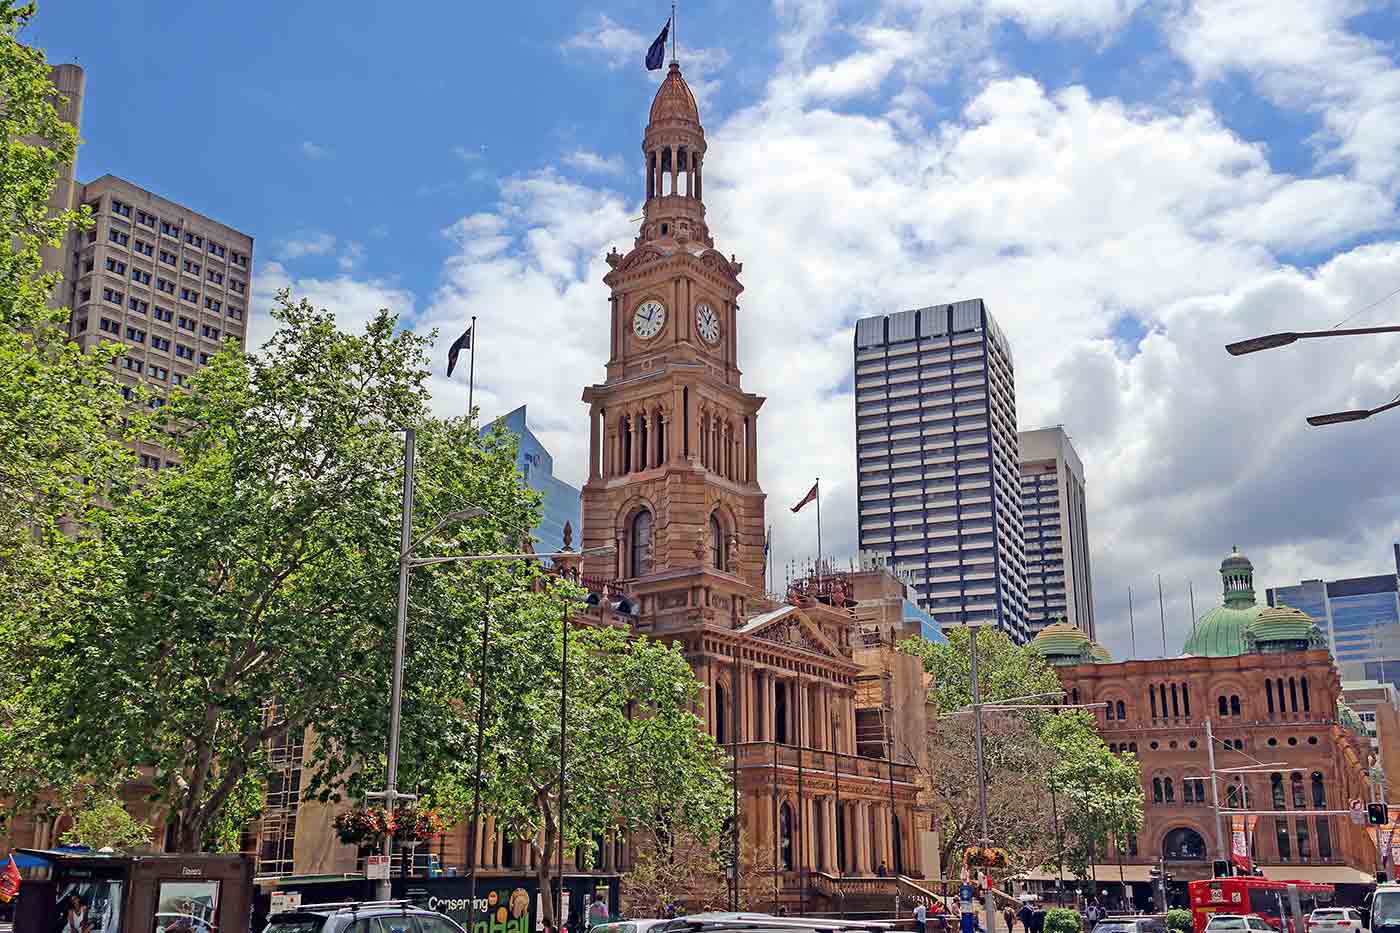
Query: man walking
{"points": [[1025, 916], [920, 918]]}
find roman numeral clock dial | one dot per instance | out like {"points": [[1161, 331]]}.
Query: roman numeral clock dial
{"points": [[707, 323], [648, 319]]}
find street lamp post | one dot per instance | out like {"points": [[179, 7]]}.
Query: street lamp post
{"points": [[407, 562], [988, 906]]}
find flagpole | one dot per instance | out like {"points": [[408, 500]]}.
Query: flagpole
{"points": [[673, 32], [819, 527], [471, 373]]}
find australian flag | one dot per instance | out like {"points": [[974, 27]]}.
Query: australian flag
{"points": [[463, 342], [657, 53]]}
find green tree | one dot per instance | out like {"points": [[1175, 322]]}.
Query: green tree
{"points": [[1179, 920], [250, 592], [62, 429], [639, 759], [105, 823], [1054, 790]]}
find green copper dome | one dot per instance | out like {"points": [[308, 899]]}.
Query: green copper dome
{"points": [[1221, 633], [1100, 653], [1283, 628], [1061, 644]]}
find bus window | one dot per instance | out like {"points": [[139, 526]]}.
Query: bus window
{"points": [[1385, 910]]}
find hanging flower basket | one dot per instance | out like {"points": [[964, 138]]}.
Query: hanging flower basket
{"points": [[985, 857], [363, 825], [418, 824]]}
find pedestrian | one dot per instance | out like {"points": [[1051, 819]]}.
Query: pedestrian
{"points": [[1025, 916], [1009, 913], [883, 871], [1038, 919], [920, 918]]}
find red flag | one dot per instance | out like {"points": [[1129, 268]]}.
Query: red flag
{"points": [[9, 881], [811, 494]]}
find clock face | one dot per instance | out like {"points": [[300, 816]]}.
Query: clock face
{"points": [[649, 318], [707, 323]]}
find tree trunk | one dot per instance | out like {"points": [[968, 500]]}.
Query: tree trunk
{"points": [[544, 873]]}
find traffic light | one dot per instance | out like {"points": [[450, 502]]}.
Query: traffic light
{"points": [[1375, 814], [1221, 868]]}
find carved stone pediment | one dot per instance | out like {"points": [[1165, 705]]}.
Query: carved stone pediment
{"points": [[797, 631]]}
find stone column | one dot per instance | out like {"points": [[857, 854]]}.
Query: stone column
{"points": [[830, 857], [675, 442], [663, 424], [862, 837], [753, 449], [594, 449]]}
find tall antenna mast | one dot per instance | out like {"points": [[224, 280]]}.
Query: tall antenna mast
{"points": [[673, 32]]}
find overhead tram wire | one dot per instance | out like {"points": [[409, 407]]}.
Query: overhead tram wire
{"points": [[1356, 314]]}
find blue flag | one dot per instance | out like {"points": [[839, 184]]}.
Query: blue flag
{"points": [[657, 52]]}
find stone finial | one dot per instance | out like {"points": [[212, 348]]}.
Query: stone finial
{"points": [[568, 536]]}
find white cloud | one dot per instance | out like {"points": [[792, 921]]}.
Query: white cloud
{"points": [[355, 302], [622, 47], [593, 163], [847, 192], [315, 151], [1302, 55], [350, 256], [314, 244]]}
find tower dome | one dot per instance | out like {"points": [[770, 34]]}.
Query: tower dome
{"points": [[1283, 628], [674, 149], [1220, 633], [1062, 644], [674, 100]]}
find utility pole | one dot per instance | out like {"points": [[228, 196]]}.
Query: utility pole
{"points": [[988, 906], [1215, 795], [391, 795]]}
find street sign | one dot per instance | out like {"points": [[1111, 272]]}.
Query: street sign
{"points": [[377, 867], [965, 896], [284, 900]]}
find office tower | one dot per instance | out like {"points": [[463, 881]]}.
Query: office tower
{"points": [[69, 80], [169, 283], [937, 463], [1056, 530], [536, 464], [1360, 617]]}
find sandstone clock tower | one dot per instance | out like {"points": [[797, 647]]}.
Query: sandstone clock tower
{"points": [[673, 464]]}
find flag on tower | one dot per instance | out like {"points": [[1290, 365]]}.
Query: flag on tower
{"points": [[463, 342], [9, 881], [657, 53], [811, 495]]}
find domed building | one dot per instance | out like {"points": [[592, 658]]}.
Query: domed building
{"points": [[1260, 683]]}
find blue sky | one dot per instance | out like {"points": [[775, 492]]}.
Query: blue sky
{"points": [[1128, 184]]}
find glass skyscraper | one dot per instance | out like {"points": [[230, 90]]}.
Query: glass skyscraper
{"points": [[1360, 617], [938, 474], [536, 465]]}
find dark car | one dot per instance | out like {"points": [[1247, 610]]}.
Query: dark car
{"points": [[360, 917]]}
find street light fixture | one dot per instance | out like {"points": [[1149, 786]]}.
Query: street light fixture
{"points": [[1283, 339], [1355, 414]]}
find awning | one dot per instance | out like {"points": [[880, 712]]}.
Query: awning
{"points": [[1318, 874], [1102, 874]]}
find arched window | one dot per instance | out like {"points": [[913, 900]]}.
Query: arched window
{"points": [[1156, 790], [1235, 704], [1184, 844], [1152, 695], [1292, 692], [1276, 787], [1186, 700], [721, 715], [1168, 790], [1319, 793], [1074, 693], [1307, 701], [1223, 706], [1108, 710], [1122, 710], [641, 544], [1300, 800], [717, 555], [1132, 747], [785, 835], [1176, 707], [1232, 797], [1162, 695], [1269, 693]]}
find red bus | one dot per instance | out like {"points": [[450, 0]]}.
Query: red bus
{"points": [[1251, 895]]}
